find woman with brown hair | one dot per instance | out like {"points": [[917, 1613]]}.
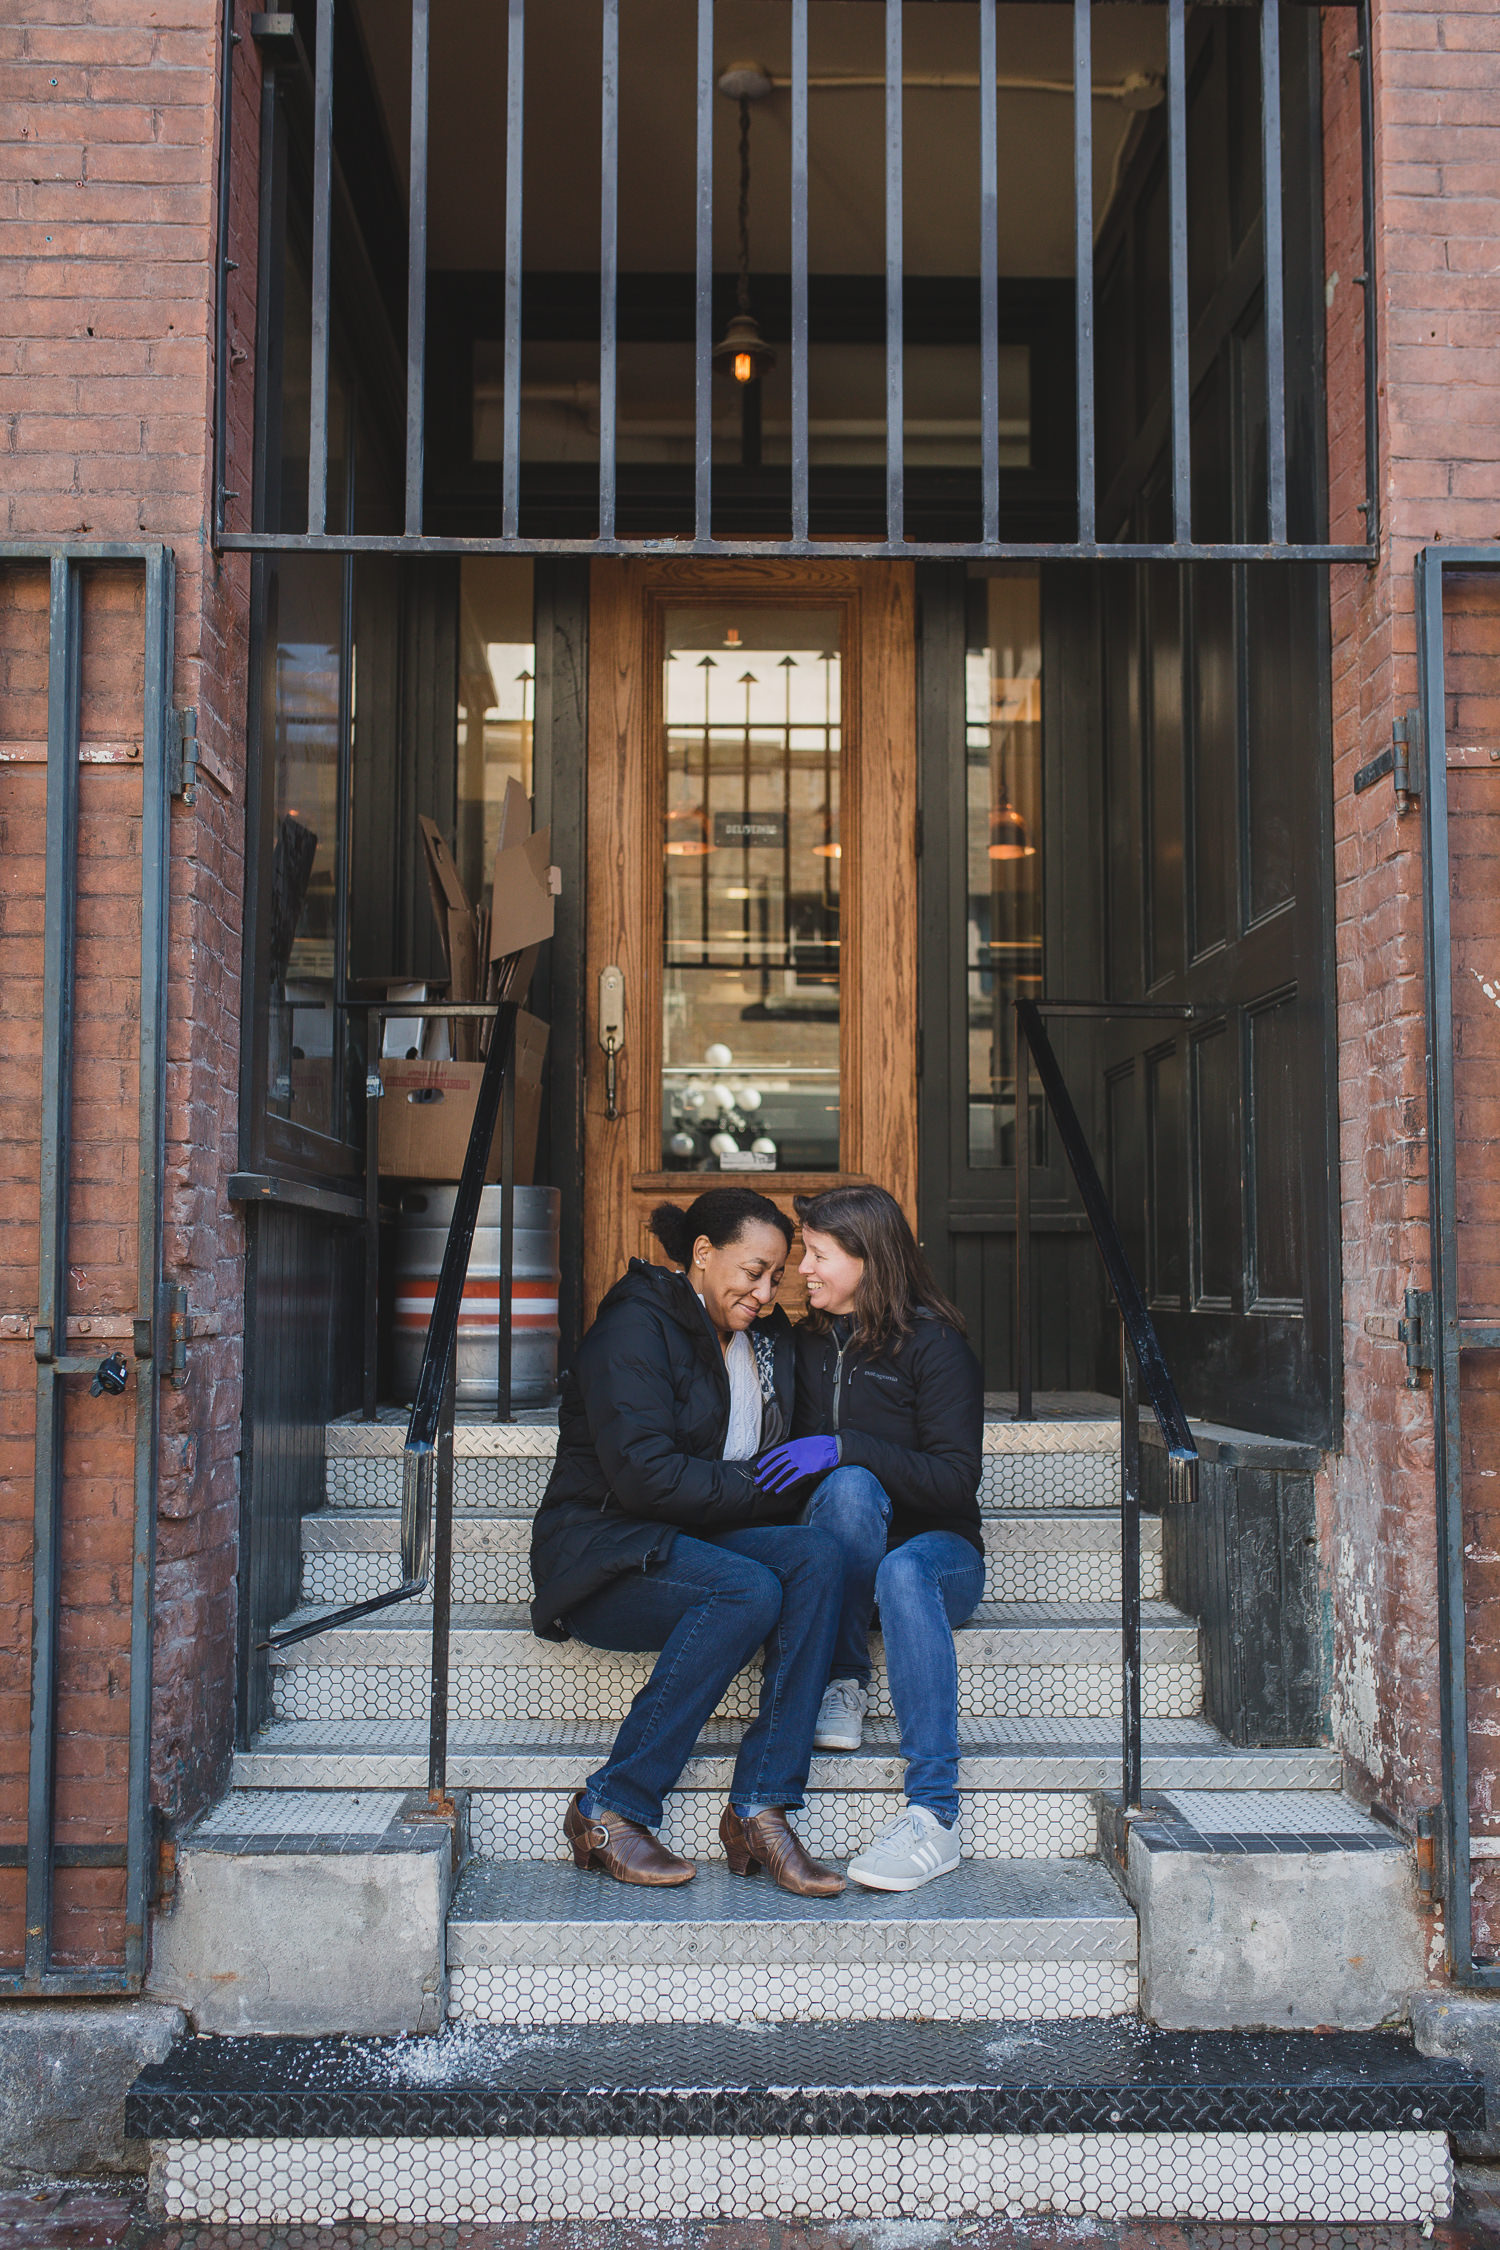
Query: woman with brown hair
{"points": [[889, 1417]]}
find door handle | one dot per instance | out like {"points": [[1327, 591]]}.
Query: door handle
{"points": [[611, 1032]]}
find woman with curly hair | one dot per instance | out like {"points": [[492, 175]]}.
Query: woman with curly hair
{"points": [[653, 1534]]}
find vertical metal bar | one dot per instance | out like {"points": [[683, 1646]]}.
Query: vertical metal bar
{"points": [[1083, 257], [223, 266], [609, 262], [442, 1595], [344, 787], [374, 1093], [59, 948], [895, 286], [703, 299], [1130, 1576], [1372, 338], [416, 275], [989, 275], [322, 310], [150, 1169], [1182, 483], [515, 120], [1270, 124], [1022, 1131], [1442, 1188], [505, 1305], [800, 516]]}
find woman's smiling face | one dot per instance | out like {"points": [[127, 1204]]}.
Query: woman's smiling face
{"points": [[831, 1272], [739, 1280]]}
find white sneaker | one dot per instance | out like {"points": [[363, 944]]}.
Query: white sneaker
{"points": [[841, 1716], [912, 1851]]}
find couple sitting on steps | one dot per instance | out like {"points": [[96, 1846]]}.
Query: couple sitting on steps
{"points": [[727, 1482]]}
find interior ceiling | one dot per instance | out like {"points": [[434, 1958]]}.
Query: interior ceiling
{"points": [[847, 132]]}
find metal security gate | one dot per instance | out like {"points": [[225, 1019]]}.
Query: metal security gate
{"points": [[1085, 544], [69, 1351], [1436, 1331]]}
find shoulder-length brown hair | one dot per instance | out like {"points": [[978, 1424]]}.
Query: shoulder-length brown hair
{"points": [[897, 1282]]}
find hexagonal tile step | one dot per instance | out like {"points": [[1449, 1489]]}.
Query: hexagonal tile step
{"points": [[866, 2121], [1057, 1554], [504, 1466], [1014, 1659], [1027, 1938]]}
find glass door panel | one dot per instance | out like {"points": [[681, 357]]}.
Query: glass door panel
{"points": [[1003, 770], [751, 744]]}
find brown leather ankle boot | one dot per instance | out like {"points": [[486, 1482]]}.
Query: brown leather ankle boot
{"points": [[768, 1841], [622, 1848]]}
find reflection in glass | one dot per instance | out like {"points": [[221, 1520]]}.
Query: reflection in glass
{"points": [[1003, 733], [496, 709], [752, 740], [303, 851]]}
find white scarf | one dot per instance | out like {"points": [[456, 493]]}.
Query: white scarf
{"points": [[743, 1440]]}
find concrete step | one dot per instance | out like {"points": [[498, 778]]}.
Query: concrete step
{"points": [[1055, 1554], [862, 2122], [1015, 1659], [505, 1466], [1027, 1786], [1022, 1939]]}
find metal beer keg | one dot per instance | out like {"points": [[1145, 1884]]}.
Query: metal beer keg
{"points": [[421, 1232]]}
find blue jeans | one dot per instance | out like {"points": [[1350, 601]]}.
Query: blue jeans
{"points": [[708, 1607], [922, 1590], [851, 1506]]}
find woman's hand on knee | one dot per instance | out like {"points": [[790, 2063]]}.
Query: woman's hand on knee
{"points": [[786, 1465]]}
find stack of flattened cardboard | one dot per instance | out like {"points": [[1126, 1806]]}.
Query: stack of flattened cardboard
{"points": [[428, 1110]]}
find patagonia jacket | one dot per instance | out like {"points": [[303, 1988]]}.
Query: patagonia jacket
{"points": [[912, 1415], [641, 1430]]}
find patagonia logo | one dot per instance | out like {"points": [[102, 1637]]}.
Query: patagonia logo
{"points": [[877, 1378]]}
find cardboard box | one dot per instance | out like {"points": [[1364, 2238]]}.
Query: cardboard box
{"points": [[525, 885], [460, 930], [523, 905], [427, 1112]]}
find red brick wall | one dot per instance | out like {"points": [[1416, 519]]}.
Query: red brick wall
{"points": [[1436, 289], [107, 215]]}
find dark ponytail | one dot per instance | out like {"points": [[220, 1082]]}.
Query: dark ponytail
{"points": [[722, 1214]]}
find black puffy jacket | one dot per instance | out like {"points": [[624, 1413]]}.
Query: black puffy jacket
{"points": [[641, 1430], [913, 1417]]}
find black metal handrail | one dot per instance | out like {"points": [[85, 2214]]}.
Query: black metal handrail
{"points": [[427, 1456], [1141, 1361]]}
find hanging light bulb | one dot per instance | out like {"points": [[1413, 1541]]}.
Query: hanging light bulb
{"points": [[1009, 835], [742, 351], [687, 834]]}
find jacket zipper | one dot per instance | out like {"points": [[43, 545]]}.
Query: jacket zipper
{"points": [[838, 1376]]}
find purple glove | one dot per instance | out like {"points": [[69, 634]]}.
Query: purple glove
{"points": [[786, 1465]]}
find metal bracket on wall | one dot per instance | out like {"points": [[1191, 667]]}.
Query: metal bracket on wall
{"points": [[1415, 1332], [1402, 761], [183, 741]]}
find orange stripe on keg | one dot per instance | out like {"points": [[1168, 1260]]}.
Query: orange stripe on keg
{"points": [[533, 1305]]}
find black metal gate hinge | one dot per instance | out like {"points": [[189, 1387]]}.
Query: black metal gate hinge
{"points": [[1416, 1334], [183, 758], [1402, 761]]}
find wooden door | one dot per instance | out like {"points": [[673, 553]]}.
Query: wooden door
{"points": [[803, 968]]}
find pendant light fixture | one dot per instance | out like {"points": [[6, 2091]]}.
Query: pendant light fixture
{"points": [[1009, 836], [742, 351], [687, 834]]}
